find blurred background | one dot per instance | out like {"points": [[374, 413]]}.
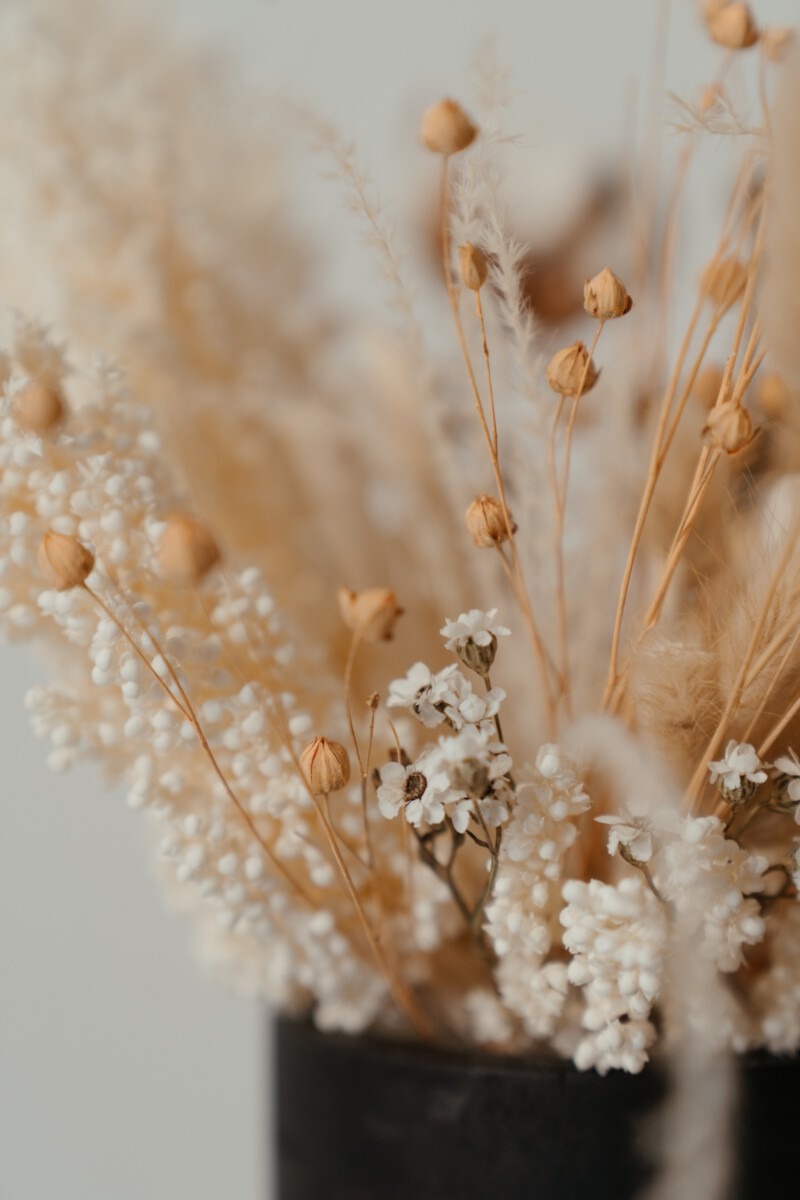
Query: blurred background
{"points": [[123, 1072]]}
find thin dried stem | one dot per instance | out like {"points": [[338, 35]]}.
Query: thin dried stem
{"points": [[519, 588], [190, 715]]}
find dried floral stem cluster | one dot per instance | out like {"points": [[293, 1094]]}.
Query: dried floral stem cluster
{"points": [[478, 863]]}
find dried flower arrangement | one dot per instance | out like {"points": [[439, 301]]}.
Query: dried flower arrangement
{"points": [[574, 857]]}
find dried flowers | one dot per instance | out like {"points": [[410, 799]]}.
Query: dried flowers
{"points": [[571, 372], [556, 844]]}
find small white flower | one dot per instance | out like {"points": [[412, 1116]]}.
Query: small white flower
{"points": [[789, 764], [424, 693], [421, 793], [474, 626], [739, 764], [466, 707], [632, 832]]}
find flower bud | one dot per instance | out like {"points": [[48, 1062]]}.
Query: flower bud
{"points": [[729, 428], [776, 41], [605, 296], [326, 766], [723, 281], [446, 128], [474, 266], [773, 395], [38, 407], [478, 658], [733, 27], [188, 551], [371, 613], [707, 385], [64, 562], [566, 369], [486, 523]]}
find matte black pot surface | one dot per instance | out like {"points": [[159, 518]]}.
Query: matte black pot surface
{"points": [[361, 1119]]}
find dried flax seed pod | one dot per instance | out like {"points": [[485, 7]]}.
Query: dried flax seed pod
{"points": [[188, 550], [605, 297], [570, 368], [64, 562], [474, 267], [776, 42], [729, 428], [38, 407], [371, 613], [733, 26], [707, 385], [446, 128], [774, 396], [326, 766], [723, 281], [486, 522]]}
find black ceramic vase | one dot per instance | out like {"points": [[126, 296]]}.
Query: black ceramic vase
{"points": [[361, 1119]]}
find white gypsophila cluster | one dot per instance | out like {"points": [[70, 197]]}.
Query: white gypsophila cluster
{"points": [[461, 775], [740, 764], [788, 766], [474, 626], [445, 696], [776, 993], [710, 880], [630, 833], [466, 774], [617, 936], [98, 476], [522, 916]]}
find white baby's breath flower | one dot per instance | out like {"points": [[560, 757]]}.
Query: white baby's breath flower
{"points": [[739, 764], [467, 707], [789, 767], [416, 789], [474, 626], [633, 833], [426, 694]]}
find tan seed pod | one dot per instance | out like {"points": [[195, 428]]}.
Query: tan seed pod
{"points": [[605, 297], [774, 396], [188, 551], [371, 613], [723, 281], [566, 370], [326, 766], [707, 385], [733, 27], [729, 428], [65, 562], [446, 128], [710, 8], [486, 523], [38, 407], [474, 267], [775, 42]]}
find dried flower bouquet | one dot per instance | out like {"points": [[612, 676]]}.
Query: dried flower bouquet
{"points": [[579, 825]]}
